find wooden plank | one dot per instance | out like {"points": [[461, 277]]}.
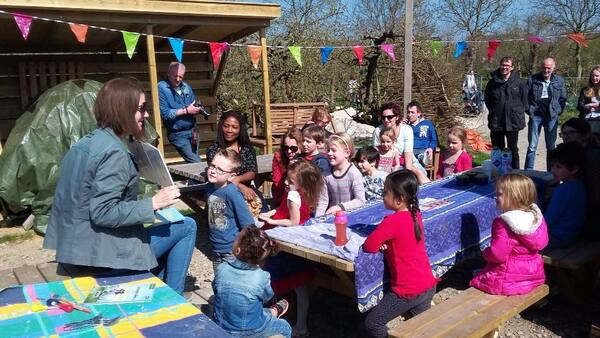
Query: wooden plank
{"points": [[43, 76], [28, 274], [71, 73], [62, 72], [53, 272], [490, 318], [154, 88], [23, 85], [52, 73], [316, 256], [7, 278], [573, 257], [33, 86]]}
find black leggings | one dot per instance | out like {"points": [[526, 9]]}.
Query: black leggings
{"points": [[392, 306], [512, 140]]}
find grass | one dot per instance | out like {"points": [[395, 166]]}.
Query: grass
{"points": [[478, 158], [12, 238]]}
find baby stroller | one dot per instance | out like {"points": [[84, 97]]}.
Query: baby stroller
{"points": [[473, 103]]}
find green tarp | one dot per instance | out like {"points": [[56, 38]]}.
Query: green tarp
{"points": [[30, 161]]}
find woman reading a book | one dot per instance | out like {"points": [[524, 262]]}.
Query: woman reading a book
{"points": [[97, 221]]}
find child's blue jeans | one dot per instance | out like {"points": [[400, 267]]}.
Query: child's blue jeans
{"points": [[273, 326]]}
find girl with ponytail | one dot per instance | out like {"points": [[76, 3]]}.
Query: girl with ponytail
{"points": [[400, 236]]}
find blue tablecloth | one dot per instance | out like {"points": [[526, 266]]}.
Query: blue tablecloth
{"points": [[456, 219]]}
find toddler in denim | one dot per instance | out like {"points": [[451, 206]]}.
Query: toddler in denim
{"points": [[241, 288]]}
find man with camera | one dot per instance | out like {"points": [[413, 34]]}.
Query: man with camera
{"points": [[178, 109]]}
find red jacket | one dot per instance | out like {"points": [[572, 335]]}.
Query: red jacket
{"points": [[514, 264], [462, 163], [410, 270]]}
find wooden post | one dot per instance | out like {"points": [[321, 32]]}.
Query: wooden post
{"points": [[266, 90], [154, 89], [408, 38]]}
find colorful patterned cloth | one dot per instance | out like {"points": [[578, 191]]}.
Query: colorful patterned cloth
{"points": [[168, 315], [457, 222]]}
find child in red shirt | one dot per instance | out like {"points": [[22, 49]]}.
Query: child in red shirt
{"points": [[400, 236], [455, 159]]}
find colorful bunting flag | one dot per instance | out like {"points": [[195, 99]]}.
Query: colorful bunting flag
{"points": [[359, 51], [579, 38], [79, 30], [255, 53], [295, 51], [131, 40], [23, 22], [325, 51], [460, 48], [535, 39], [492, 46], [177, 47], [216, 50], [436, 45], [389, 50]]}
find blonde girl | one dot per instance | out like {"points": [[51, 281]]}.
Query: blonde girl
{"points": [[389, 159], [589, 97], [343, 188], [455, 159], [514, 265], [304, 182]]}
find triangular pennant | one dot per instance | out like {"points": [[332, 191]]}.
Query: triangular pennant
{"points": [[492, 46], [460, 48], [389, 50], [177, 47], [79, 30], [255, 53], [359, 51], [295, 51], [216, 50], [325, 51], [131, 40], [535, 39], [579, 38], [23, 22], [436, 45]]}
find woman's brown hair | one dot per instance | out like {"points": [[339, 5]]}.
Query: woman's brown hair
{"points": [[460, 133], [116, 105], [309, 181], [295, 134], [395, 108], [591, 89]]}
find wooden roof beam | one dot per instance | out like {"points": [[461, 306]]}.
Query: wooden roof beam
{"points": [[180, 33], [118, 44], [240, 34]]}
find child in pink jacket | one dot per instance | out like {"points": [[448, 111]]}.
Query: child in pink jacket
{"points": [[514, 264]]}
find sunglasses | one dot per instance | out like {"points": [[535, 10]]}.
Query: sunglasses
{"points": [[293, 149], [388, 117], [142, 108], [218, 170]]}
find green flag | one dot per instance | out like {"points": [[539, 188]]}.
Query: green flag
{"points": [[295, 50], [435, 47], [131, 40]]}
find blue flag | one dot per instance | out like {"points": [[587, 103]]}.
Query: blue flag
{"points": [[460, 48], [325, 51], [177, 46]]}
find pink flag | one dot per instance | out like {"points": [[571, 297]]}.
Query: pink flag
{"points": [[255, 54], [535, 39], [579, 38], [216, 50], [24, 22], [389, 50], [492, 46], [359, 51], [80, 31]]}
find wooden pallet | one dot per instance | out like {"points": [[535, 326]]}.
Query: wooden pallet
{"points": [[472, 313]]}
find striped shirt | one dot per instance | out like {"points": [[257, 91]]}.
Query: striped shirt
{"points": [[346, 190]]}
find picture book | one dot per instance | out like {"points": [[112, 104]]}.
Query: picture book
{"points": [[121, 293]]}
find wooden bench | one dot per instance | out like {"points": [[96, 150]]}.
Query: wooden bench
{"points": [[472, 313], [283, 117], [574, 269]]}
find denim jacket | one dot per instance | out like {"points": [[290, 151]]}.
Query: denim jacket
{"points": [[97, 219], [170, 101], [240, 290], [556, 91]]}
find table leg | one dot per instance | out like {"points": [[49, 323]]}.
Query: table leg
{"points": [[341, 282]]}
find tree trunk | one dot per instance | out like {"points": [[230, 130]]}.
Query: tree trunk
{"points": [[578, 61], [533, 52]]}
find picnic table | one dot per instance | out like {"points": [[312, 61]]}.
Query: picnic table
{"points": [[168, 314]]}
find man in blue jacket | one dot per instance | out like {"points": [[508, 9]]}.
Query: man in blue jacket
{"points": [[178, 111], [547, 98]]}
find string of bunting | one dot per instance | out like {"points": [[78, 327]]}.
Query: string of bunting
{"points": [[217, 49]]}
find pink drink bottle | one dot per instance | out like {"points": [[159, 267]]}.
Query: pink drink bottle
{"points": [[341, 222]]}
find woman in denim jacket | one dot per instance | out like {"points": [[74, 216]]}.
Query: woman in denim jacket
{"points": [[241, 287]]}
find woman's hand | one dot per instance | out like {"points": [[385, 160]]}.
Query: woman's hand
{"points": [[265, 218], [248, 192], [165, 197], [333, 210]]}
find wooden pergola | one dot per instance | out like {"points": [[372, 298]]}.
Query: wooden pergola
{"points": [[27, 64]]}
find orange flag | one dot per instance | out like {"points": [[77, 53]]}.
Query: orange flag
{"points": [[79, 30], [579, 38], [255, 53]]}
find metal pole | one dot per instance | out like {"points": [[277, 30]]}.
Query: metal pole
{"points": [[408, 38]]}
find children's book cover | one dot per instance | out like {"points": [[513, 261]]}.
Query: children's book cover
{"points": [[120, 293]]}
